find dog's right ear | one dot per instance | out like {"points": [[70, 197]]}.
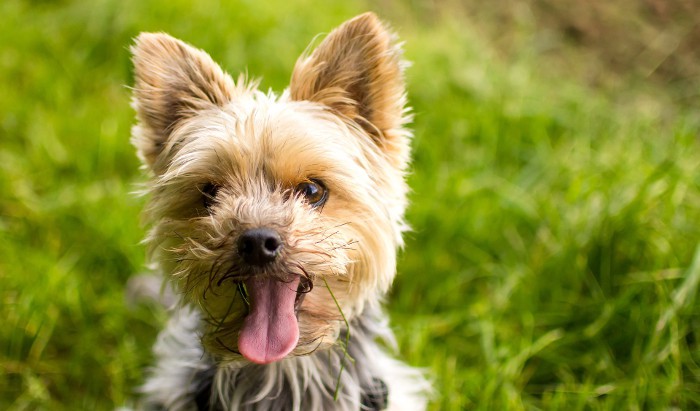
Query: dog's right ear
{"points": [[173, 81]]}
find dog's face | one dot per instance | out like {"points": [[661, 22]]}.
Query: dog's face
{"points": [[278, 218]]}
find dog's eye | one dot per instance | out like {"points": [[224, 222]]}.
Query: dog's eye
{"points": [[314, 192], [209, 192]]}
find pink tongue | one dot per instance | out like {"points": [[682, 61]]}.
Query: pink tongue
{"points": [[270, 331]]}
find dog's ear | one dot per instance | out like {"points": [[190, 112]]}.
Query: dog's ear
{"points": [[358, 72], [173, 81]]}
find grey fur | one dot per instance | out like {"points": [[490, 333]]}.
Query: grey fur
{"points": [[297, 383]]}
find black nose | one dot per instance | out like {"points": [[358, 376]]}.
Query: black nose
{"points": [[259, 246]]}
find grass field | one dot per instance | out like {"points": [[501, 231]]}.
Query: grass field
{"points": [[554, 261]]}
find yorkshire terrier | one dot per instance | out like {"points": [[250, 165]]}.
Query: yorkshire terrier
{"points": [[276, 220]]}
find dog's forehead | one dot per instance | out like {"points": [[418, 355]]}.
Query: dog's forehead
{"points": [[293, 140], [287, 142]]}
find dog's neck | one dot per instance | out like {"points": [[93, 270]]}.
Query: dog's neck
{"points": [[312, 382], [328, 379]]}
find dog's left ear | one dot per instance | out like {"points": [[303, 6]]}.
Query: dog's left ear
{"points": [[358, 72]]}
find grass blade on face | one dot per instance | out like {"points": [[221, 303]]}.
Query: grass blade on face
{"points": [[343, 344]]}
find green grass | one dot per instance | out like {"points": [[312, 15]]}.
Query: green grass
{"points": [[554, 260]]}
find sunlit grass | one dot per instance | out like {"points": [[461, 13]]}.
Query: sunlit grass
{"points": [[554, 257]]}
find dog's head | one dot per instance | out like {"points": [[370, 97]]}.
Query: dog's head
{"points": [[278, 217]]}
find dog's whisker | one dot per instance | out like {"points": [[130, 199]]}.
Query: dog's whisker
{"points": [[221, 343], [320, 341]]}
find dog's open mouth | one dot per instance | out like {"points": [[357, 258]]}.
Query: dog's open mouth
{"points": [[270, 330]]}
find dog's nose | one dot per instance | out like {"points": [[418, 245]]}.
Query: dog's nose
{"points": [[259, 246]]}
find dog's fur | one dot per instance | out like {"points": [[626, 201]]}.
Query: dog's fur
{"points": [[226, 159]]}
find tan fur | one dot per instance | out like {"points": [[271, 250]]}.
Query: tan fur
{"points": [[341, 122], [174, 81], [357, 71]]}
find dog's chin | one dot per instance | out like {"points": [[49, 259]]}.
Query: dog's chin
{"points": [[270, 330]]}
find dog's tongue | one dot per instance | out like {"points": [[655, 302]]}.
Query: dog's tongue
{"points": [[270, 331]]}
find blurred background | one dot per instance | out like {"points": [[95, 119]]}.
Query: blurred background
{"points": [[554, 260]]}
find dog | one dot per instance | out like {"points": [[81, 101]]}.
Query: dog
{"points": [[276, 221]]}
